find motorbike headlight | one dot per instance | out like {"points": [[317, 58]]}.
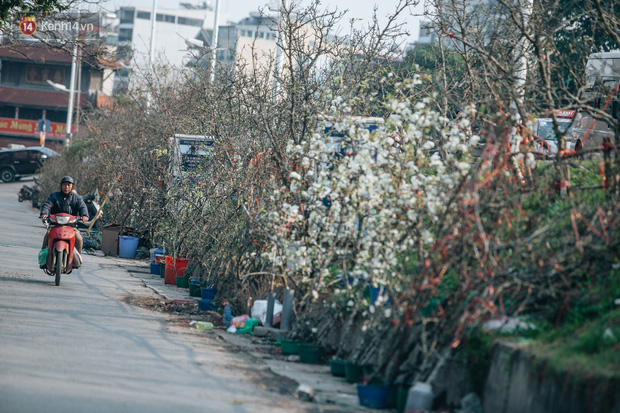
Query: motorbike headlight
{"points": [[62, 220]]}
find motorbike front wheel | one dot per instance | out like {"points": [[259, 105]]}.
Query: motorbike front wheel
{"points": [[59, 255]]}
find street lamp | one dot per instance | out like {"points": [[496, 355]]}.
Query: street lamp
{"points": [[193, 42], [63, 88], [58, 86]]}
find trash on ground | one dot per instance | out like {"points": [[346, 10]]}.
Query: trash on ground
{"points": [[240, 320], [204, 325], [259, 310], [304, 392], [232, 329], [248, 326], [227, 316]]}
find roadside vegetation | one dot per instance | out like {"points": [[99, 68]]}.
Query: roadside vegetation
{"points": [[400, 242]]}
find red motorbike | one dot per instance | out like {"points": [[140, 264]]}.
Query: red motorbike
{"points": [[61, 241]]}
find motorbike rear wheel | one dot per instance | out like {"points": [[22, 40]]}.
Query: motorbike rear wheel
{"points": [[59, 255]]}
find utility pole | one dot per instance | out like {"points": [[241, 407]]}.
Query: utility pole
{"points": [[214, 40], [69, 125], [279, 51], [520, 77], [151, 51], [520, 73]]}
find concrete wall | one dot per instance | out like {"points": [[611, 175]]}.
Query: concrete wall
{"points": [[518, 382]]}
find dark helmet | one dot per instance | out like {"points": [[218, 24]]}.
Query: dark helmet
{"points": [[67, 179]]}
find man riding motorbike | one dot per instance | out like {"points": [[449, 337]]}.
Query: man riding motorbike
{"points": [[67, 201]]}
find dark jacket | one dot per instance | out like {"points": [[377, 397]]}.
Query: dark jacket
{"points": [[58, 202]]}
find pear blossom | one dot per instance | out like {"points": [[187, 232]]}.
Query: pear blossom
{"points": [[355, 212]]}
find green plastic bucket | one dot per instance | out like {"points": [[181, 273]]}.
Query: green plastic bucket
{"points": [[353, 372], [182, 282], [194, 290], [336, 367], [290, 347], [309, 353]]}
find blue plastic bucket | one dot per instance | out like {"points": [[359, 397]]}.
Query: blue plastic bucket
{"points": [[208, 293], [127, 246], [374, 397], [156, 254], [205, 305]]}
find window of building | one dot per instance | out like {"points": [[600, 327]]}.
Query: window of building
{"points": [[125, 35], [30, 113], [166, 18], [127, 15], [41, 74], [56, 115], [250, 33], [146, 15], [241, 32], [190, 22], [7, 111]]}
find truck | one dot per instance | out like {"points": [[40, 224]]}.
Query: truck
{"points": [[602, 93], [547, 145], [187, 152]]}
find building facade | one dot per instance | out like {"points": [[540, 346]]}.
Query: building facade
{"points": [[26, 97], [176, 30]]}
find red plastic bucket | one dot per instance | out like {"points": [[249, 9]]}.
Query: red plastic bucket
{"points": [[175, 267]]}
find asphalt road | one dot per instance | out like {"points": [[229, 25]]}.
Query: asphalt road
{"points": [[78, 347]]}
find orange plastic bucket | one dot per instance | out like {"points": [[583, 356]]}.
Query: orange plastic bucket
{"points": [[174, 267]]}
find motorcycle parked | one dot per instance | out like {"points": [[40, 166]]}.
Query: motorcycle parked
{"points": [[30, 193], [92, 204], [61, 241]]}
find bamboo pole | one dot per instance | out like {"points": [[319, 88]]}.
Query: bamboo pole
{"points": [[92, 222]]}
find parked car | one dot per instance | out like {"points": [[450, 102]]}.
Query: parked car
{"points": [[547, 146], [17, 163]]}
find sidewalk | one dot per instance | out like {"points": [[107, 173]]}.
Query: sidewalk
{"points": [[331, 393]]}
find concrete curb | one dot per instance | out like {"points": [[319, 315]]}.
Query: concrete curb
{"points": [[331, 393]]}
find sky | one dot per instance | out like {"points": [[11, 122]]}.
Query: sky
{"points": [[358, 9]]}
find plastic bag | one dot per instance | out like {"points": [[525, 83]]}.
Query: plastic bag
{"points": [[77, 258], [43, 256], [248, 326], [259, 310], [239, 321]]}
